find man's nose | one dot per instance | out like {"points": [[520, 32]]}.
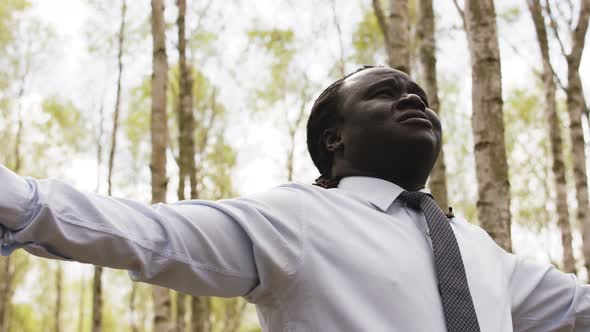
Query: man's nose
{"points": [[410, 101]]}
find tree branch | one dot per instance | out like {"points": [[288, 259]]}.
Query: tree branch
{"points": [[579, 32], [383, 24], [554, 28], [341, 61], [461, 12]]}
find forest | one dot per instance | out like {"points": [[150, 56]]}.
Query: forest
{"points": [[170, 100]]}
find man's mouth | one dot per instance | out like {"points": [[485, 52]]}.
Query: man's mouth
{"points": [[413, 114], [417, 121], [415, 117]]}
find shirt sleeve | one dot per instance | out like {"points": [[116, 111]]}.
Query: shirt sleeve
{"points": [[234, 247], [546, 299]]}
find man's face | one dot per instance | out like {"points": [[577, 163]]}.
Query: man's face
{"points": [[386, 121]]}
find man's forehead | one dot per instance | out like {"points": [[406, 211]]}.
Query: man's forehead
{"points": [[373, 74]]}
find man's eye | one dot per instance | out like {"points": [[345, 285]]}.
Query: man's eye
{"points": [[383, 93]]}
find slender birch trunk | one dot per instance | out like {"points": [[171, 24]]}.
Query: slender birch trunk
{"points": [[493, 204], [576, 108], [7, 266], [234, 313], [134, 326], [555, 139], [159, 136], [58, 297], [81, 304], [427, 57], [200, 310], [186, 142], [97, 302], [293, 126], [7, 274], [396, 33]]}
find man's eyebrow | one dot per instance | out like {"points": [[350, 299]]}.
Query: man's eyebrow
{"points": [[389, 81]]}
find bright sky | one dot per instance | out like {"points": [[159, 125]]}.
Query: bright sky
{"points": [[73, 73]]}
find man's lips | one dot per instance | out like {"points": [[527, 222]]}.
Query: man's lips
{"points": [[418, 121], [412, 114]]}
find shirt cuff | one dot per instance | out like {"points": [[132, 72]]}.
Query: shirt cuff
{"points": [[16, 198]]}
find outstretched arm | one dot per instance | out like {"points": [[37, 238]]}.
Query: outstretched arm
{"points": [[197, 247], [545, 299]]}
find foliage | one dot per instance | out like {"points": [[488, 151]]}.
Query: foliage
{"points": [[525, 141], [367, 39], [279, 45], [8, 11]]}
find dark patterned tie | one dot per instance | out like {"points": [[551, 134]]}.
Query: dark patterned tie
{"points": [[452, 282]]}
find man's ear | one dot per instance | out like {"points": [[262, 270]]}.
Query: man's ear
{"points": [[332, 140]]}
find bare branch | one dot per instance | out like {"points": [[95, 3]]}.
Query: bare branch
{"points": [[383, 24], [340, 41], [579, 33], [461, 12], [202, 13], [563, 15], [558, 80], [555, 28]]}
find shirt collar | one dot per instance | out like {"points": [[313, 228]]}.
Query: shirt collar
{"points": [[379, 192]]}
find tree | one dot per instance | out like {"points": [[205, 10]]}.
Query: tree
{"points": [[216, 160], [159, 138], [493, 204], [58, 296], [97, 294], [288, 84], [23, 46], [555, 139], [396, 33], [186, 144], [427, 57], [576, 108]]}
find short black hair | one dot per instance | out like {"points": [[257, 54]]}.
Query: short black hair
{"points": [[324, 114]]}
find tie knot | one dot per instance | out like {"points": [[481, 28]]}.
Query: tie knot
{"points": [[413, 198]]}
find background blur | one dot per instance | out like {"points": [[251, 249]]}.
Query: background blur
{"points": [[68, 66]]}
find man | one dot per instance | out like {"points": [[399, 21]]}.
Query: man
{"points": [[367, 252]]}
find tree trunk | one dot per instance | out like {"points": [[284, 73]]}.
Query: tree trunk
{"points": [[576, 107], [234, 312], [493, 205], [134, 327], [159, 136], [427, 58], [186, 118], [118, 97], [200, 308], [7, 269], [97, 296], [293, 126], [186, 142], [97, 300], [81, 305], [181, 312], [396, 33], [58, 297], [555, 139], [5, 285], [341, 64]]}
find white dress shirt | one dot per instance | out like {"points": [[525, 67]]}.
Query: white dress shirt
{"points": [[352, 258]]}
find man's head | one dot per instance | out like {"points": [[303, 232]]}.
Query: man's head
{"points": [[374, 122]]}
